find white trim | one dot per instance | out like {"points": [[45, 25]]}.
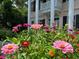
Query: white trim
{"points": [[70, 14], [29, 11], [52, 13]]}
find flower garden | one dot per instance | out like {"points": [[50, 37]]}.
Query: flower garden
{"points": [[40, 42]]}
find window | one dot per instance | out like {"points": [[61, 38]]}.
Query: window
{"points": [[64, 1], [33, 6], [32, 22], [42, 21], [43, 1], [64, 20], [77, 21]]}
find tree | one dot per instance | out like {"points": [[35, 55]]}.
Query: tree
{"points": [[13, 11]]}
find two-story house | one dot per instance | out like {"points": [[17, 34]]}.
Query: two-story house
{"points": [[49, 11]]}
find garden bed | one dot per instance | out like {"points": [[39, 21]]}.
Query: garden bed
{"points": [[41, 42]]}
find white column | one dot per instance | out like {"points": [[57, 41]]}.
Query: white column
{"points": [[70, 14], [46, 21], [61, 21], [52, 13], [37, 11], [29, 11]]}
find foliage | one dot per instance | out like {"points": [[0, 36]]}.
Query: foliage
{"points": [[37, 43], [11, 11], [5, 33]]}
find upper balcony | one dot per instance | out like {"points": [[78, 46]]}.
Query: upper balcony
{"points": [[45, 7]]}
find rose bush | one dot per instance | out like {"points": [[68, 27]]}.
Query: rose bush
{"points": [[41, 42]]}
